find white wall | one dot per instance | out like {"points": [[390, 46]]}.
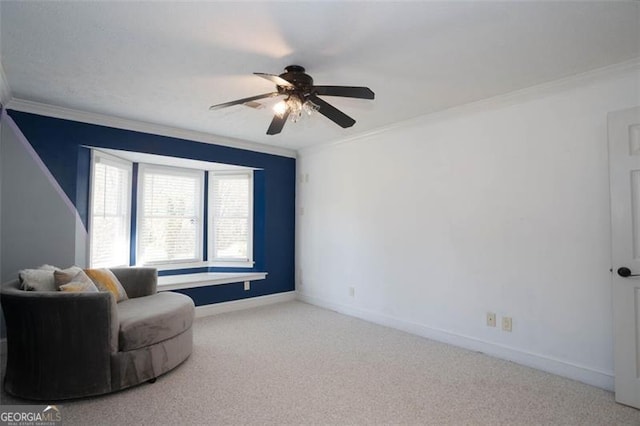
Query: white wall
{"points": [[502, 207]]}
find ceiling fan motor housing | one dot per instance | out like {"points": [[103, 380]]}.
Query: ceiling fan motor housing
{"points": [[295, 75]]}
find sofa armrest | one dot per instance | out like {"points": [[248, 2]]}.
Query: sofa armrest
{"points": [[137, 282], [58, 344]]}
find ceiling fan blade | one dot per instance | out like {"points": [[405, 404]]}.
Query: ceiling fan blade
{"points": [[275, 79], [242, 101], [332, 113], [277, 123], [345, 91]]}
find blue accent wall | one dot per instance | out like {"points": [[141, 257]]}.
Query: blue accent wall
{"points": [[60, 144]]}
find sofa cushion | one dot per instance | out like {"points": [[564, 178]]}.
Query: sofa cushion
{"points": [[152, 319]]}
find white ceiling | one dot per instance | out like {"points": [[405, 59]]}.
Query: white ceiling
{"points": [[167, 62]]}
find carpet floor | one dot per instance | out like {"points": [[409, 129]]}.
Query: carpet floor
{"points": [[293, 363]]}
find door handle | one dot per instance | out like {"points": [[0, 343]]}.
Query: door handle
{"points": [[626, 272]]}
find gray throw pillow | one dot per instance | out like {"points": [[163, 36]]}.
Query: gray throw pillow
{"points": [[79, 283], [65, 276]]}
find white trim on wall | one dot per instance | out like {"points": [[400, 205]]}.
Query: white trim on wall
{"points": [[511, 216], [499, 101], [590, 376], [140, 126], [162, 130]]}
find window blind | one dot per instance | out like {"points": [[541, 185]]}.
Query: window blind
{"points": [[109, 220], [231, 199], [169, 219]]}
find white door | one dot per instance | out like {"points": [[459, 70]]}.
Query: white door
{"points": [[624, 169]]}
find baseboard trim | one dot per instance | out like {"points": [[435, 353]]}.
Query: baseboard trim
{"points": [[558, 367], [236, 305]]}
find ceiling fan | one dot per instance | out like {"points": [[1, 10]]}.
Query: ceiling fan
{"points": [[302, 97]]}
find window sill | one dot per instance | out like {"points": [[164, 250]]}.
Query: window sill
{"points": [[203, 279], [190, 265]]}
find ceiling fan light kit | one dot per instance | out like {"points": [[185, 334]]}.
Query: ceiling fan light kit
{"points": [[296, 106], [302, 98]]}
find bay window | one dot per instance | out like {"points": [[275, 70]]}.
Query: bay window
{"points": [[169, 219]]}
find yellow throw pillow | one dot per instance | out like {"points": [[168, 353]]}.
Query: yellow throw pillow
{"points": [[106, 281]]}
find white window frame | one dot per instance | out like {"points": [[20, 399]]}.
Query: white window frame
{"points": [[101, 157], [230, 262], [178, 171]]}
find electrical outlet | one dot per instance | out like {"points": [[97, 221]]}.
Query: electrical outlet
{"points": [[352, 291], [506, 324], [491, 319], [247, 285]]}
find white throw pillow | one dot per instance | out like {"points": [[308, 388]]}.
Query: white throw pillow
{"points": [[37, 280]]}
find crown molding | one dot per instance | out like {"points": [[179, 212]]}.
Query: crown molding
{"points": [[5, 91], [499, 101], [47, 110]]}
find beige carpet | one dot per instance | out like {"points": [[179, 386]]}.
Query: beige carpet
{"points": [[294, 363]]}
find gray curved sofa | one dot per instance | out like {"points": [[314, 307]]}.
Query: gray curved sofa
{"points": [[68, 345]]}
